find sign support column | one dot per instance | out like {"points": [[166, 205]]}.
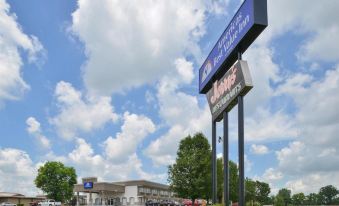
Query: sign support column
{"points": [[241, 151], [241, 146], [214, 163], [226, 158]]}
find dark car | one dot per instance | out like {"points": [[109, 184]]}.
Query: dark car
{"points": [[35, 203], [167, 203], [151, 203]]}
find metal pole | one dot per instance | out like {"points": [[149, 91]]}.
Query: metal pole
{"points": [[241, 151], [214, 163], [226, 158]]}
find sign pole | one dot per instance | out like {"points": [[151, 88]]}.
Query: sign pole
{"points": [[226, 158], [214, 163], [241, 151], [241, 146], [226, 79]]}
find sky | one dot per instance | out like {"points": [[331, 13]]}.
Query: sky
{"points": [[111, 88]]}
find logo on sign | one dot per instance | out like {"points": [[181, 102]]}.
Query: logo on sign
{"points": [[88, 185], [207, 70], [225, 85], [222, 96]]}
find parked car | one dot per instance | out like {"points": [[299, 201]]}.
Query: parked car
{"points": [[49, 203], [7, 204], [167, 203], [35, 203], [187, 202], [151, 203], [177, 203]]}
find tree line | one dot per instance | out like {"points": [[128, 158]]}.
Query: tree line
{"points": [[328, 195], [190, 177]]}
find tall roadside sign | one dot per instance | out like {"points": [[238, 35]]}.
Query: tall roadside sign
{"points": [[225, 79], [246, 25]]}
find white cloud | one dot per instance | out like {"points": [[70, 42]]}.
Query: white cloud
{"points": [[263, 71], [259, 149], [219, 155], [183, 119], [136, 42], [80, 113], [321, 46], [313, 182], [265, 126], [17, 172], [33, 128], [134, 129], [321, 27], [12, 41], [33, 125], [87, 163], [272, 175], [310, 162]]}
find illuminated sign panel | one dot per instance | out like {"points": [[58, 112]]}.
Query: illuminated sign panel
{"points": [[224, 92], [88, 185], [246, 25]]}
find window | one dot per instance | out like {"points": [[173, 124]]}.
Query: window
{"points": [[141, 190], [154, 192]]}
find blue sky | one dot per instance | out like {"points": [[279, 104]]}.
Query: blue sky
{"points": [[111, 89]]}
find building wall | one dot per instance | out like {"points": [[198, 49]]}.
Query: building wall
{"points": [[131, 194], [16, 200]]}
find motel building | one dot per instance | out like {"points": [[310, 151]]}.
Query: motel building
{"points": [[133, 192], [19, 199]]}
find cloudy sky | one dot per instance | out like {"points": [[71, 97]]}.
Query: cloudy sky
{"points": [[110, 88]]}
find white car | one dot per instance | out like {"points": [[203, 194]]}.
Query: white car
{"points": [[7, 204], [49, 203]]}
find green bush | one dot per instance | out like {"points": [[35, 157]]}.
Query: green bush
{"points": [[253, 203]]}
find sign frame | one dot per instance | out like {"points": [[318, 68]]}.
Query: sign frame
{"points": [[236, 40], [223, 95]]}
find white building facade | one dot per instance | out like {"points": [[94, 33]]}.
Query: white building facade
{"points": [[134, 192]]}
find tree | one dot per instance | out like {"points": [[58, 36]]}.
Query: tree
{"points": [[234, 179], [250, 190], [257, 191], [56, 180], [262, 193], [220, 179], [327, 194], [187, 176], [298, 199], [312, 199], [279, 201], [285, 195]]}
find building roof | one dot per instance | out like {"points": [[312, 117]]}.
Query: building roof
{"points": [[10, 194], [143, 183], [18, 195]]}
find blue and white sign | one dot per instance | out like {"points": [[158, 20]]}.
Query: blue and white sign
{"points": [[88, 185], [246, 25]]}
